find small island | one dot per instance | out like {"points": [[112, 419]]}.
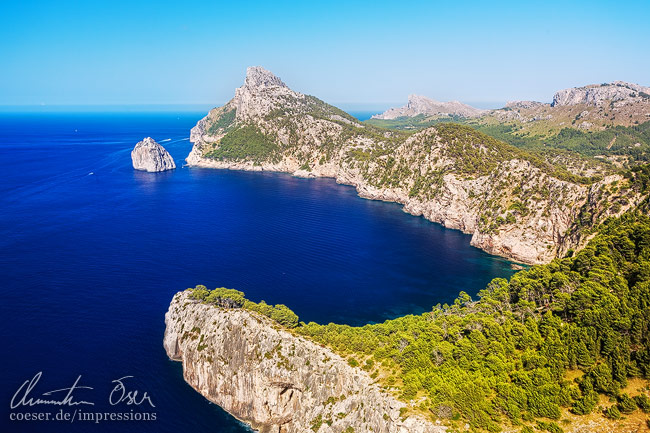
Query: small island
{"points": [[150, 156]]}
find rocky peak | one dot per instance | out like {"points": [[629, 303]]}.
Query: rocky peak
{"points": [[599, 94], [258, 77], [420, 103], [417, 105], [261, 93]]}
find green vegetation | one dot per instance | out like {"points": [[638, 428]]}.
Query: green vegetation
{"points": [[231, 298], [633, 141], [477, 154], [411, 123], [552, 338], [245, 142], [321, 109], [630, 141], [224, 122], [509, 355]]}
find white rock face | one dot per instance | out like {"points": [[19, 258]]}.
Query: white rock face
{"points": [[150, 156], [274, 380], [422, 105], [599, 94]]}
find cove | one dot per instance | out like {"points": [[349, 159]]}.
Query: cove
{"points": [[94, 251]]}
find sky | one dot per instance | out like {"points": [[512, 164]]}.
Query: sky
{"points": [[354, 54]]}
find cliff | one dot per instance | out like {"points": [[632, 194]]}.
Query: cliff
{"points": [[514, 204], [595, 95], [421, 105], [150, 156], [274, 380], [595, 107]]}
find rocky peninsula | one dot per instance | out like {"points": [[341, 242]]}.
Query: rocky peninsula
{"points": [[150, 156], [274, 380], [513, 203]]}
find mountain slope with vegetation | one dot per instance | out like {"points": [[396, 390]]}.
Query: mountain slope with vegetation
{"points": [[515, 202], [610, 122], [559, 347]]}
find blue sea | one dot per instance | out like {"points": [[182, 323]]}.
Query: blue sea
{"points": [[92, 253]]}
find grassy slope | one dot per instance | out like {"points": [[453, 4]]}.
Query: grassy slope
{"points": [[631, 142]]}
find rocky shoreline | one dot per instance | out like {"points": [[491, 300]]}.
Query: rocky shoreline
{"points": [[451, 211]]}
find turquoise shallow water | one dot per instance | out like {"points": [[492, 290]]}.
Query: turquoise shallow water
{"points": [[92, 253]]}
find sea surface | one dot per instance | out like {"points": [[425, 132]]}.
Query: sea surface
{"points": [[92, 253]]}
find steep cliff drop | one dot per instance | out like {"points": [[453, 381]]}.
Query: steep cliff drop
{"points": [[276, 381]]}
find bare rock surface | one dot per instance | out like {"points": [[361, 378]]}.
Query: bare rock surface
{"points": [[274, 380], [598, 94], [150, 156], [429, 107]]}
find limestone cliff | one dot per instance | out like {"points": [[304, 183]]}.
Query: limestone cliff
{"points": [[595, 95], [150, 156], [512, 203], [274, 380], [595, 107]]}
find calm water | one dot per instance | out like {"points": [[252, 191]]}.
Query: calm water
{"points": [[92, 253]]}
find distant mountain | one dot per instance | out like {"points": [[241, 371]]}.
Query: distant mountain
{"points": [[593, 107], [421, 105], [596, 95]]}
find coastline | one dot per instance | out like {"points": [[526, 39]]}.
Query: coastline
{"points": [[411, 206]]}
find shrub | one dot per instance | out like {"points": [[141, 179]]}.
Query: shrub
{"points": [[643, 402], [612, 412], [626, 404], [284, 316]]}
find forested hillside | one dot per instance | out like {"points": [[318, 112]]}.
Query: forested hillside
{"points": [[563, 338], [551, 339]]}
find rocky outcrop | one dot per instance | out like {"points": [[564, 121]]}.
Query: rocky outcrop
{"points": [[274, 380], [512, 206], [524, 104], [596, 95], [422, 105], [150, 156]]}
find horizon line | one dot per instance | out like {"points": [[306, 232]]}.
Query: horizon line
{"points": [[356, 105]]}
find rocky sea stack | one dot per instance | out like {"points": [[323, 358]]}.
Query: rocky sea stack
{"points": [[150, 156]]}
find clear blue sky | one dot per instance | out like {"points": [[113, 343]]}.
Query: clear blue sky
{"points": [[158, 52]]}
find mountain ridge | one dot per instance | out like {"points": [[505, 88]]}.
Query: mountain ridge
{"points": [[513, 203], [423, 105]]}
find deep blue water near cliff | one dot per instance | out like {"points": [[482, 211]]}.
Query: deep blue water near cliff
{"points": [[93, 251]]}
